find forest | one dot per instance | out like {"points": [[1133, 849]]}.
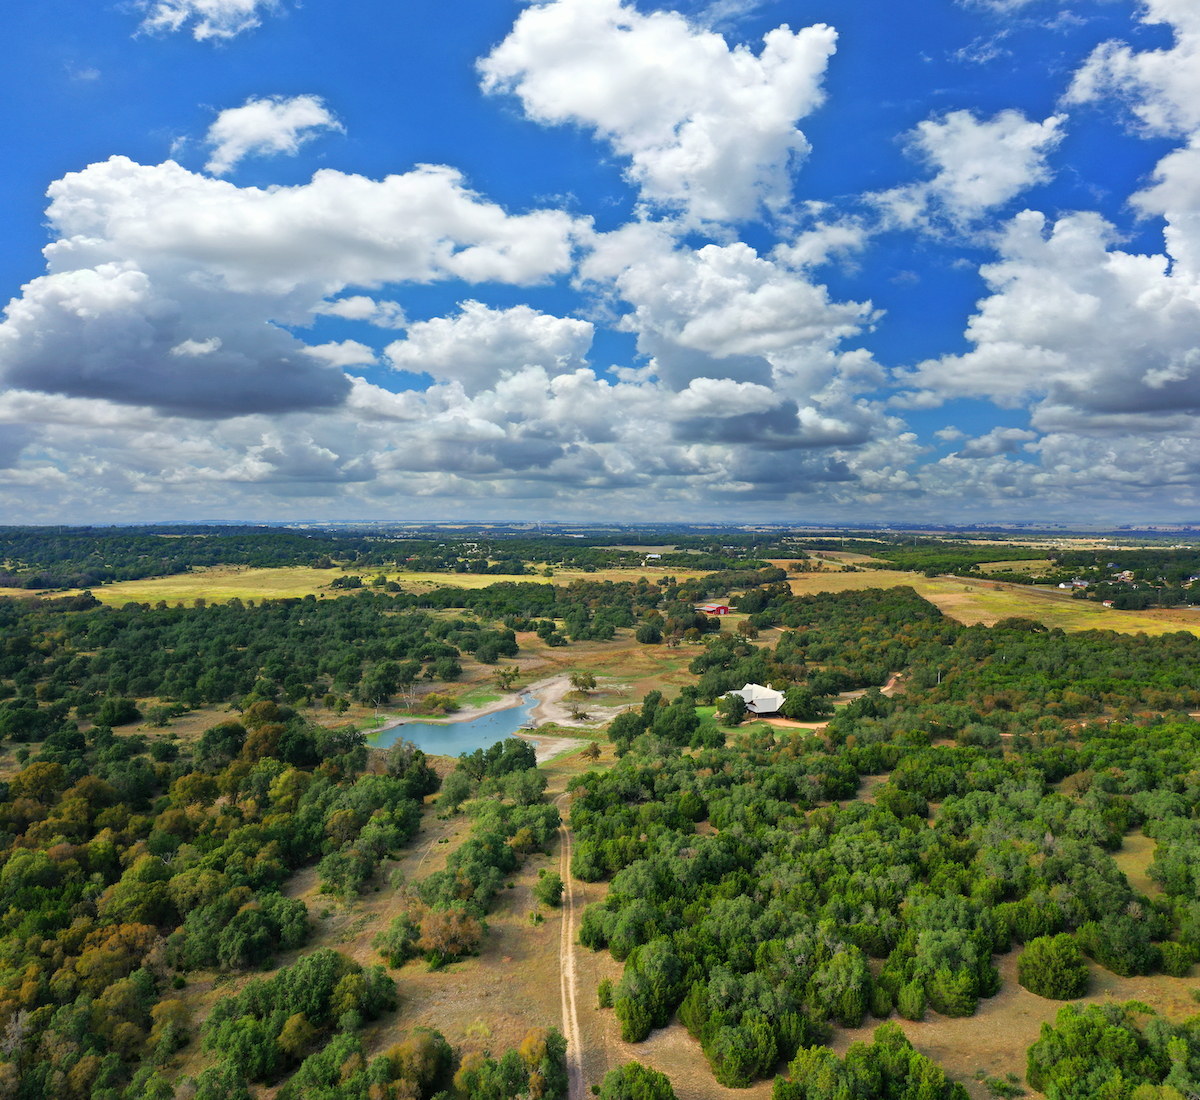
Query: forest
{"points": [[753, 894], [126, 870], [994, 829]]}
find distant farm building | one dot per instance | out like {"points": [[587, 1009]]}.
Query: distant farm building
{"points": [[714, 608], [759, 699]]}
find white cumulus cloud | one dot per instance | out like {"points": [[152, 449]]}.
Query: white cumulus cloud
{"points": [[359, 307], [1076, 324], [1093, 338], [999, 441], [193, 348], [1162, 87], [344, 353], [479, 344], [724, 310], [261, 127], [980, 165], [154, 258], [207, 18], [709, 131]]}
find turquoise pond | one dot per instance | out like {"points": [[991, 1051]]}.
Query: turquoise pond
{"points": [[452, 738]]}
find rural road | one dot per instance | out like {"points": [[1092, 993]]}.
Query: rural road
{"points": [[566, 968]]}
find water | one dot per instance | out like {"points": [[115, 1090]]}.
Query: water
{"points": [[452, 738]]}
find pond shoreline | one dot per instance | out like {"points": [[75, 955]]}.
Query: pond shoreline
{"points": [[466, 714]]}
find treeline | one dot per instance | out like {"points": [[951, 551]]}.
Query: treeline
{"points": [[830, 643], [83, 557], [1173, 567], [757, 931], [56, 662], [1159, 577], [933, 560]]}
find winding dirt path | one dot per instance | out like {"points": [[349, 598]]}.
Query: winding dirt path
{"points": [[566, 968]]}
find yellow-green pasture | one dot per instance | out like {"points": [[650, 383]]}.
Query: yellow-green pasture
{"points": [[222, 583], [986, 600], [1035, 567]]}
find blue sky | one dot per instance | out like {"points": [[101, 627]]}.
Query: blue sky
{"points": [[925, 261]]}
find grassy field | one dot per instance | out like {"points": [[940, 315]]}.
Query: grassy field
{"points": [[222, 583], [1035, 567], [968, 600], [987, 602]]}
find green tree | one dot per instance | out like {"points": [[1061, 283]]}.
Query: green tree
{"points": [[732, 709], [1053, 967], [633, 1081], [583, 681], [801, 705]]}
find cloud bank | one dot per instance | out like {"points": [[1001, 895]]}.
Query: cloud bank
{"points": [[288, 349]]}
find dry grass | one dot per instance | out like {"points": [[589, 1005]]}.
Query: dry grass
{"points": [[216, 585], [1134, 859], [225, 582], [996, 1038], [1035, 567], [970, 601]]}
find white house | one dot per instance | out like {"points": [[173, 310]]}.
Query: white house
{"points": [[759, 699]]}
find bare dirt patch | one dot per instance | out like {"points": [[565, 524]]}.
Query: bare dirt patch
{"points": [[559, 702]]}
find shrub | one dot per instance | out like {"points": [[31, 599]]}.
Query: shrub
{"points": [[549, 889], [1120, 944], [1177, 959], [911, 1001], [117, 712], [1053, 967], [633, 1081], [399, 943], [448, 935]]}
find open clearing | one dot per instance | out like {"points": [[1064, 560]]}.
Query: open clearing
{"points": [[1033, 566]]}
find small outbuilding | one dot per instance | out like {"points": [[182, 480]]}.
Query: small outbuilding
{"points": [[714, 608]]}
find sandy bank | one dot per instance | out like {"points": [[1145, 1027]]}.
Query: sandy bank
{"points": [[552, 707]]}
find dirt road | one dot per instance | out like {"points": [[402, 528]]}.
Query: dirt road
{"points": [[566, 970]]}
